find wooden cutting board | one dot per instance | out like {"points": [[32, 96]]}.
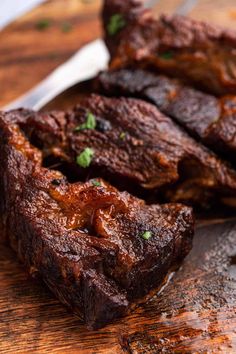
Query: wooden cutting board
{"points": [[196, 311]]}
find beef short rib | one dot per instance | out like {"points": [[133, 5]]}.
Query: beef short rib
{"points": [[206, 117], [196, 52], [135, 147], [99, 250]]}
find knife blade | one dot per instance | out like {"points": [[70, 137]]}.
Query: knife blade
{"points": [[84, 65]]}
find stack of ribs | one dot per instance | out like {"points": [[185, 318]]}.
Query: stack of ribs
{"points": [[185, 67], [98, 199]]}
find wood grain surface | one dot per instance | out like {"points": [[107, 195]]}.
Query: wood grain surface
{"points": [[196, 312]]}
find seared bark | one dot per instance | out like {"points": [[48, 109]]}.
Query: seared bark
{"points": [[196, 52]]}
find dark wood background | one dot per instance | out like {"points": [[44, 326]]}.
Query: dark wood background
{"points": [[196, 312]]}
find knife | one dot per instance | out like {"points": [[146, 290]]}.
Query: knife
{"points": [[84, 65]]}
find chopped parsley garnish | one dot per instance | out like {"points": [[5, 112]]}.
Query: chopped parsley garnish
{"points": [[122, 135], [116, 23], [166, 55], [66, 27], [90, 123], [146, 235], [96, 183], [85, 158], [43, 24]]}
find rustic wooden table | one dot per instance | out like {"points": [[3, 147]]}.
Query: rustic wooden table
{"points": [[196, 312]]}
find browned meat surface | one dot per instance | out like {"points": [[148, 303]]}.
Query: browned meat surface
{"points": [[196, 52], [211, 119], [99, 250], [135, 147]]}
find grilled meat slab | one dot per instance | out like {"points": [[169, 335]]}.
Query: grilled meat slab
{"points": [[100, 251], [135, 147], [208, 118], [196, 52]]}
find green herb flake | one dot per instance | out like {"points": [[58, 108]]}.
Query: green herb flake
{"points": [[43, 24], [90, 123], [122, 135], [66, 27], [85, 158], [96, 183], [146, 235], [166, 55], [116, 23]]}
